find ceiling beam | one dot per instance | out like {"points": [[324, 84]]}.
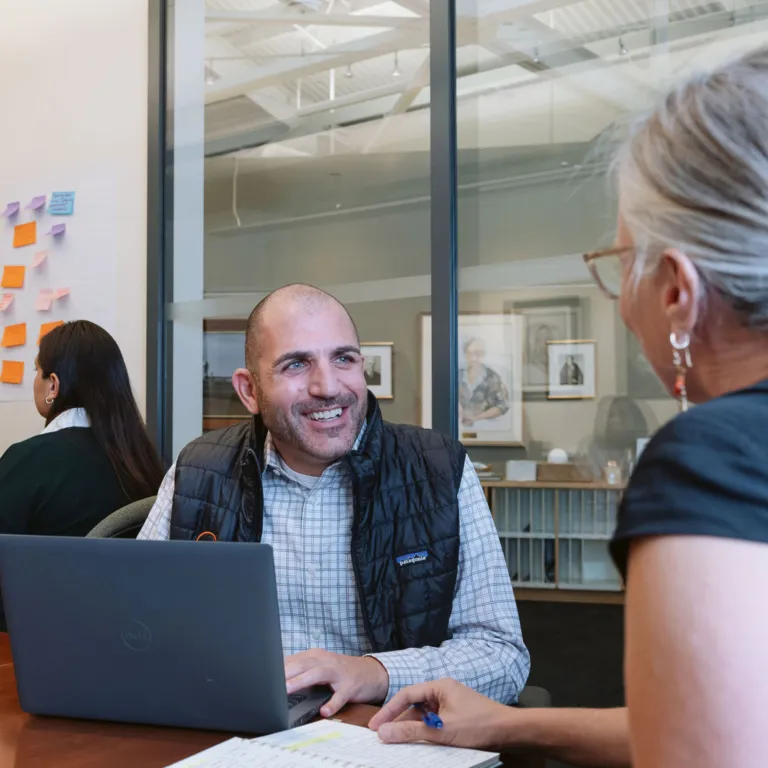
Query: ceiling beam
{"points": [[372, 46], [334, 56], [316, 19]]}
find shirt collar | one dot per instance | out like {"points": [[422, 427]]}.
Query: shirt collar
{"points": [[273, 459], [74, 417]]}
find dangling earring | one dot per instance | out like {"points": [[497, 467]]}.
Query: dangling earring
{"points": [[49, 400], [681, 358]]}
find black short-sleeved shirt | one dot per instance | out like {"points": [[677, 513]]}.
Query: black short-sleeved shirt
{"points": [[705, 473]]}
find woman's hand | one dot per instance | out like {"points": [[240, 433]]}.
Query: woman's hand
{"points": [[469, 719]]}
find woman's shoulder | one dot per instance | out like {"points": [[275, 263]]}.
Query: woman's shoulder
{"points": [[738, 419], [60, 442], [704, 473]]}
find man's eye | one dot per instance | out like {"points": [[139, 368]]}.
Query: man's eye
{"points": [[345, 359], [295, 365]]}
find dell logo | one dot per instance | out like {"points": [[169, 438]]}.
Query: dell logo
{"points": [[137, 636]]}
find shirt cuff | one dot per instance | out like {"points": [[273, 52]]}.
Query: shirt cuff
{"points": [[403, 667]]}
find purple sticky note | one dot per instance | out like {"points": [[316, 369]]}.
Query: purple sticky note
{"points": [[56, 230], [11, 210], [35, 203]]}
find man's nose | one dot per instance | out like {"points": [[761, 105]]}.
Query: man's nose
{"points": [[324, 381]]}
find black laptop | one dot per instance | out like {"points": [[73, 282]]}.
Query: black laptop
{"points": [[172, 633]]}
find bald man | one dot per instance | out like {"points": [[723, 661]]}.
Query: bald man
{"points": [[388, 565]]}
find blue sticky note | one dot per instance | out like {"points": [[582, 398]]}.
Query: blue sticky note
{"points": [[62, 203]]}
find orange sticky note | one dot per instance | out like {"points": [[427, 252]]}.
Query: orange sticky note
{"points": [[13, 277], [14, 335], [48, 327], [12, 372], [25, 234]]}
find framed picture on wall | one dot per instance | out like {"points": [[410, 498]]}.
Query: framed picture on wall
{"points": [[490, 378], [379, 368], [223, 353], [572, 374], [545, 320]]}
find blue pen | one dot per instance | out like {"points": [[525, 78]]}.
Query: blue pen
{"points": [[429, 717]]}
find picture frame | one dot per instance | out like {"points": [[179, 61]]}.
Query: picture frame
{"points": [[223, 353], [379, 368], [545, 320], [572, 366], [490, 377]]}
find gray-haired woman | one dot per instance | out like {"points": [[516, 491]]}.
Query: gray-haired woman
{"points": [[690, 269]]}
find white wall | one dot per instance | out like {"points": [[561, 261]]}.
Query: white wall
{"points": [[74, 96]]}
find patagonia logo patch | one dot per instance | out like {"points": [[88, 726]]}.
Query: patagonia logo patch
{"points": [[414, 557]]}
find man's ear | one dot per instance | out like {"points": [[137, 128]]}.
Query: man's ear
{"points": [[682, 287], [245, 386]]}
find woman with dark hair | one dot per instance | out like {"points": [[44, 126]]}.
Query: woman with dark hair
{"points": [[94, 455]]}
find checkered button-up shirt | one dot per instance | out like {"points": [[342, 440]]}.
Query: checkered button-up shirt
{"points": [[308, 523]]}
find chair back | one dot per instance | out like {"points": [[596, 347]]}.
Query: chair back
{"points": [[125, 523]]}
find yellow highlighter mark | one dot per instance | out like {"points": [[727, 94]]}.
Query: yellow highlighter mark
{"points": [[315, 740]]}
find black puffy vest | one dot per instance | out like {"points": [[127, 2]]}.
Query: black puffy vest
{"points": [[405, 483]]}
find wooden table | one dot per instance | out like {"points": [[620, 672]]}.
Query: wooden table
{"points": [[27, 741]]}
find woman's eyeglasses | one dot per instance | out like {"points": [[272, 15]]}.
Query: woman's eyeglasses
{"points": [[607, 270]]}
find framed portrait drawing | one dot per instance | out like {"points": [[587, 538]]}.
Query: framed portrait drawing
{"points": [[223, 353], [545, 320], [490, 378], [572, 374], [379, 368]]}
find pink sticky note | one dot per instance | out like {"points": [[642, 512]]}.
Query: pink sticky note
{"points": [[60, 293], [40, 257], [44, 300], [5, 301]]}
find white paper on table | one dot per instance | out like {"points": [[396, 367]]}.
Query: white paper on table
{"points": [[242, 753], [352, 745]]}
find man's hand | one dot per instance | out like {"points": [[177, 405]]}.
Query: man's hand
{"points": [[469, 718], [352, 678]]}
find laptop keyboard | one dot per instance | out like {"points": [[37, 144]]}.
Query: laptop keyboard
{"points": [[296, 698]]}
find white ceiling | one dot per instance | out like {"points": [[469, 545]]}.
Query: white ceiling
{"points": [[316, 85]]}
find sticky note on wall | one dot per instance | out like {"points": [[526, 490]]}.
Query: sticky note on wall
{"points": [[13, 277], [12, 372], [14, 335], [44, 300], [48, 327], [62, 204], [25, 234]]}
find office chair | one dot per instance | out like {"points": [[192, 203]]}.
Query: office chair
{"points": [[533, 697], [125, 523]]}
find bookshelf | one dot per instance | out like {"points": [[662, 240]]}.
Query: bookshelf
{"points": [[555, 535]]}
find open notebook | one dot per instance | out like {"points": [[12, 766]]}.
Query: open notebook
{"points": [[331, 744]]}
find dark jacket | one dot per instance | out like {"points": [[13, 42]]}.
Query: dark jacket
{"points": [[405, 531]]}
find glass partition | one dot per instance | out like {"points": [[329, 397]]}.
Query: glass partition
{"points": [[556, 396]]}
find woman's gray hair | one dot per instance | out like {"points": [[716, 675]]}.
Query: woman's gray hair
{"points": [[693, 175]]}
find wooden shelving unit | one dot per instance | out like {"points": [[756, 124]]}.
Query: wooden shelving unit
{"points": [[555, 536]]}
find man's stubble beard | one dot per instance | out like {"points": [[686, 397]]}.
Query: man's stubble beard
{"points": [[287, 428]]}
